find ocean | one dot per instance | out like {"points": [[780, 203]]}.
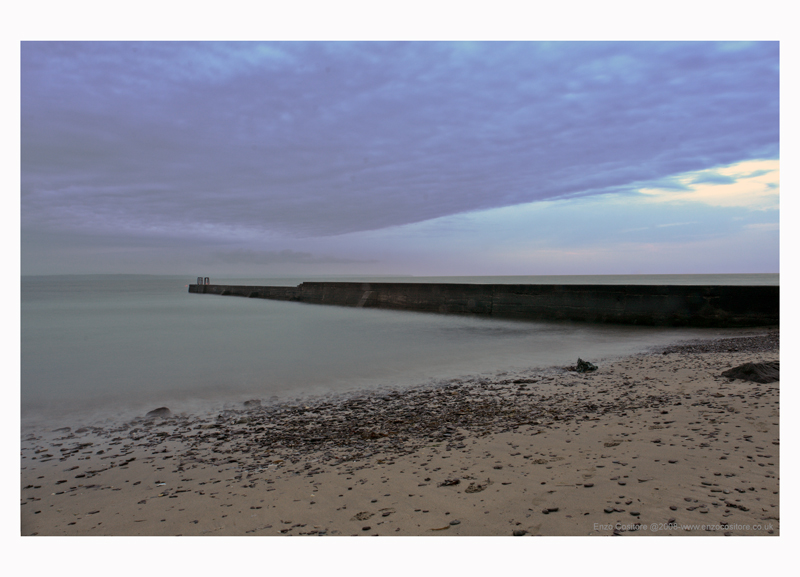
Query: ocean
{"points": [[99, 348]]}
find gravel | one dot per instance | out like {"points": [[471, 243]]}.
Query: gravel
{"points": [[762, 343]]}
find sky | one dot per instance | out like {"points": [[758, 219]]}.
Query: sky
{"points": [[265, 159]]}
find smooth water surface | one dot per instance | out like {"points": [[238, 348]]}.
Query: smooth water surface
{"points": [[117, 345]]}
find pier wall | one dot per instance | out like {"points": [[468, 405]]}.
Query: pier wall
{"points": [[675, 305]]}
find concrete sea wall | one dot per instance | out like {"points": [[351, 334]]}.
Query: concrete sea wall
{"points": [[700, 306]]}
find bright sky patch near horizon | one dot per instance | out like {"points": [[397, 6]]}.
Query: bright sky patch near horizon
{"points": [[414, 158]]}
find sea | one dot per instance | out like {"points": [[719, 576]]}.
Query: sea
{"points": [[100, 348]]}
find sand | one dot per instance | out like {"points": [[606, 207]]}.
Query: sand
{"points": [[654, 444]]}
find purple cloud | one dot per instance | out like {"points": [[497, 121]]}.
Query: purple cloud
{"points": [[319, 139]]}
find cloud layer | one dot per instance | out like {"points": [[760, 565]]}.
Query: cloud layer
{"points": [[233, 142]]}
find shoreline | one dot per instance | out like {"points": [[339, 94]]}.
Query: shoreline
{"points": [[76, 412], [642, 441]]}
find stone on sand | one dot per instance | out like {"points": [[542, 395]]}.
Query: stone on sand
{"points": [[757, 372]]}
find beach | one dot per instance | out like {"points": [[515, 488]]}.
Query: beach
{"points": [[658, 443]]}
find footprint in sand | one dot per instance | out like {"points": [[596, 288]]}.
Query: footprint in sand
{"points": [[477, 488]]}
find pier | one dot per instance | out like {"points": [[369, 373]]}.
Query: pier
{"points": [[652, 305]]}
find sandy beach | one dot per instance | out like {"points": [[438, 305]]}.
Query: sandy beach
{"points": [[654, 444]]}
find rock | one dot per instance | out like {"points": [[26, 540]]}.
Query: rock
{"points": [[585, 366], [448, 482], [159, 412], [756, 372]]}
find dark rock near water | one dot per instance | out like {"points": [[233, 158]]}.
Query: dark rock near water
{"points": [[756, 372], [159, 412], [585, 366]]}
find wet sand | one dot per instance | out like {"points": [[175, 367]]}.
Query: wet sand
{"points": [[654, 444]]}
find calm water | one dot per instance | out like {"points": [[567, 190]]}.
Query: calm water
{"points": [[96, 347]]}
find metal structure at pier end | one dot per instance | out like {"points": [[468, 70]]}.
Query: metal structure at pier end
{"points": [[671, 305]]}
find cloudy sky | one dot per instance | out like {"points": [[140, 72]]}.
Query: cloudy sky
{"points": [[418, 158]]}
